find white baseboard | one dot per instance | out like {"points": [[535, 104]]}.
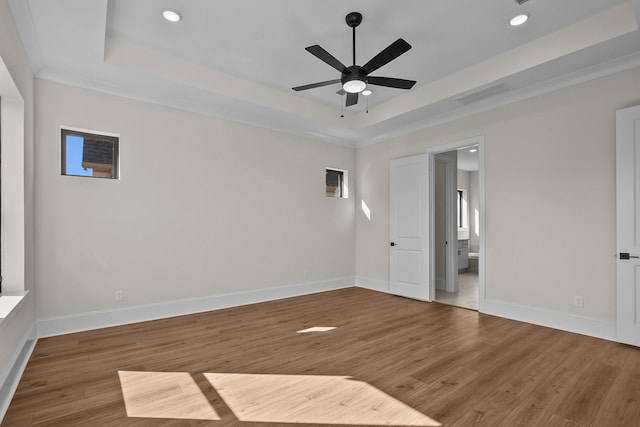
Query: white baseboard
{"points": [[103, 319], [534, 315], [9, 382], [373, 284], [551, 319]]}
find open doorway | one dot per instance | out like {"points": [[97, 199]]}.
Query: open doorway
{"points": [[457, 240]]}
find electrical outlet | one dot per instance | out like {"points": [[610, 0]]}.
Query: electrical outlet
{"points": [[119, 296], [578, 301]]}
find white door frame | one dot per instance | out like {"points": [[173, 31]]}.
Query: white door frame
{"points": [[451, 231], [627, 233], [432, 152]]}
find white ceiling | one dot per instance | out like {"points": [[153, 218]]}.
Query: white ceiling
{"points": [[239, 59], [468, 160]]}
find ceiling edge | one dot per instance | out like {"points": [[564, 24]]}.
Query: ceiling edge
{"points": [[21, 14], [255, 117], [604, 26], [591, 73]]}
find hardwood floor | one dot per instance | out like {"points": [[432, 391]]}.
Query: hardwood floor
{"points": [[388, 360]]}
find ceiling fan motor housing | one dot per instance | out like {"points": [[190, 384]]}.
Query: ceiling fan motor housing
{"points": [[354, 19]]}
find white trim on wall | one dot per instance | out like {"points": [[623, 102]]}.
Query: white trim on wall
{"points": [[140, 313], [552, 319], [9, 382], [102, 319], [534, 315], [373, 284]]}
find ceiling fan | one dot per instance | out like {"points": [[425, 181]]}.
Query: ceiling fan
{"points": [[354, 79]]}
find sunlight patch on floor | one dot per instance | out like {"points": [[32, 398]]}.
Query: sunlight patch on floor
{"points": [[316, 329], [312, 399], [164, 395]]}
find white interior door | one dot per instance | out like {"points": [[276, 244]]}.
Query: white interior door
{"points": [[628, 224], [409, 229]]}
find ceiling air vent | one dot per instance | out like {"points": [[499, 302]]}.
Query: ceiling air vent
{"points": [[521, 1], [481, 94]]}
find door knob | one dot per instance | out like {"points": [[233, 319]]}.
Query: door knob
{"points": [[625, 255], [393, 243]]}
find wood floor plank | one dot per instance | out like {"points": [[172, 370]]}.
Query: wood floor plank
{"points": [[455, 366]]}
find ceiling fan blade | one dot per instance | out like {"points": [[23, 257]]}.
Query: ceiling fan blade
{"points": [[391, 82], [325, 56], [352, 99], [387, 55], [314, 85]]}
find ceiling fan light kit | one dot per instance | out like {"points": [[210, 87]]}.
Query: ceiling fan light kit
{"points": [[354, 84], [355, 79]]}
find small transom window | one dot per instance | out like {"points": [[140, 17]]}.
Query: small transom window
{"points": [[91, 155], [336, 183]]}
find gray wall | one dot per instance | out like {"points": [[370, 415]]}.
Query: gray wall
{"points": [[550, 195], [202, 207]]}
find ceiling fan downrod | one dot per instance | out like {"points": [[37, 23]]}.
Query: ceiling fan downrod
{"points": [[353, 20]]}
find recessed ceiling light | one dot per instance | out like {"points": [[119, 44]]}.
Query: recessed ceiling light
{"points": [[171, 15], [367, 92], [519, 19]]}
